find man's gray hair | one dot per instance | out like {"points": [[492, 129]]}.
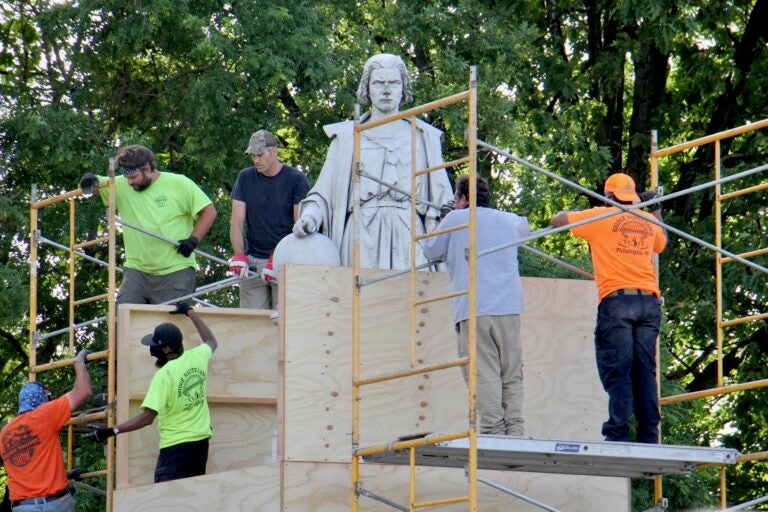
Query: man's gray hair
{"points": [[384, 61]]}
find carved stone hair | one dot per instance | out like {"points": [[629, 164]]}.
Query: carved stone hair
{"points": [[384, 61]]}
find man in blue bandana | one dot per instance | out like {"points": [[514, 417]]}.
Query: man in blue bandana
{"points": [[31, 449]]}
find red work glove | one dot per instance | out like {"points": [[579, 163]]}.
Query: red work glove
{"points": [[238, 265], [268, 273]]}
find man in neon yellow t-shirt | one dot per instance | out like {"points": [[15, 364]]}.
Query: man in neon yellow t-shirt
{"points": [[177, 398], [164, 203]]}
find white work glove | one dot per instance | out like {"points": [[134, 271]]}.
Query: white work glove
{"points": [[306, 225]]}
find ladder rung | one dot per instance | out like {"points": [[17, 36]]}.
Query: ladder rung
{"points": [[89, 243], [413, 371], [757, 252], [437, 298], [744, 319], [443, 165], [66, 362], [441, 231], [445, 501], [90, 299], [86, 417]]}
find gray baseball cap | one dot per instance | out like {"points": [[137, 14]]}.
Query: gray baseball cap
{"points": [[260, 141]]}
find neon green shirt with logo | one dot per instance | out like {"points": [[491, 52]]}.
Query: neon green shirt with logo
{"points": [[168, 207], [177, 394]]}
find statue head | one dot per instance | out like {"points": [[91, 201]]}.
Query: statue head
{"points": [[384, 61]]}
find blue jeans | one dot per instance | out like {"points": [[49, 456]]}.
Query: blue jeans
{"points": [[64, 504], [625, 346]]}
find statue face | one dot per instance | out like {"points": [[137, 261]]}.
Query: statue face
{"points": [[385, 90]]}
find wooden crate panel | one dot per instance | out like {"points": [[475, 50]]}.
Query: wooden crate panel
{"points": [[563, 394], [254, 489], [243, 435], [325, 487], [242, 388], [243, 365], [316, 362]]}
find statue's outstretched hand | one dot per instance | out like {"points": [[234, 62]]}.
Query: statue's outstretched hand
{"points": [[304, 226]]}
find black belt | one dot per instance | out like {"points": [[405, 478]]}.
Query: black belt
{"points": [[629, 291], [35, 501]]}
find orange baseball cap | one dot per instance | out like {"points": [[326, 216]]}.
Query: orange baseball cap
{"points": [[622, 186]]}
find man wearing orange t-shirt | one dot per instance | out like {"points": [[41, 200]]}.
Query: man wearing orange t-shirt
{"points": [[31, 449], [629, 314]]}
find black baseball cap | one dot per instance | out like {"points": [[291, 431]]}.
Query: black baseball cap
{"points": [[165, 334]]}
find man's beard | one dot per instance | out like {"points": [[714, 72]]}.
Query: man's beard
{"points": [[161, 356], [144, 184]]}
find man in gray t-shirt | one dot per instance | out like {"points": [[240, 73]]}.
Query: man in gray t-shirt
{"points": [[499, 304]]}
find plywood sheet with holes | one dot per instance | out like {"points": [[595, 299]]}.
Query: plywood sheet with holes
{"points": [[242, 388], [563, 395], [254, 489], [325, 487]]}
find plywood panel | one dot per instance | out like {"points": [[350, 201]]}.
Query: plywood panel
{"points": [[563, 394], [242, 388], [243, 436], [243, 365], [325, 487], [255, 489], [315, 316]]}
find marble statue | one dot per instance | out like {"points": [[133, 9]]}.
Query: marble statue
{"points": [[385, 213]]}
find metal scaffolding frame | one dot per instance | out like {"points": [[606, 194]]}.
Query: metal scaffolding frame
{"points": [[423, 444], [469, 96], [35, 337], [722, 257], [74, 250], [468, 439]]}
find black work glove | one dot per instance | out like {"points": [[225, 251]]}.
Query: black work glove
{"points": [[82, 356], [649, 195], [100, 434], [186, 247], [447, 208], [88, 183], [75, 473], [182, 308]]}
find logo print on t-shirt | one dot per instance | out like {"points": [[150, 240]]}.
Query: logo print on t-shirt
{"points": [[19, 445], [161, 201], [634, 235], [192, 388]]}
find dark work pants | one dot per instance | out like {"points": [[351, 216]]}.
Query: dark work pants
{"points": [[625, 344], [182, 461]]}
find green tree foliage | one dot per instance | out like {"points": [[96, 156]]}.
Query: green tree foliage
{"points": [[574, 87]]}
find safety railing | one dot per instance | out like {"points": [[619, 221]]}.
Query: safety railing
{"points": [[358, 382], [722, 257]]}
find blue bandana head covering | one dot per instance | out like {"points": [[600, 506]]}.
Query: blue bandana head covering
{"points": [[32, 395]]}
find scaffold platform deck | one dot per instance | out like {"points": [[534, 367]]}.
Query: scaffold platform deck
{"points": [[536, 455]]}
